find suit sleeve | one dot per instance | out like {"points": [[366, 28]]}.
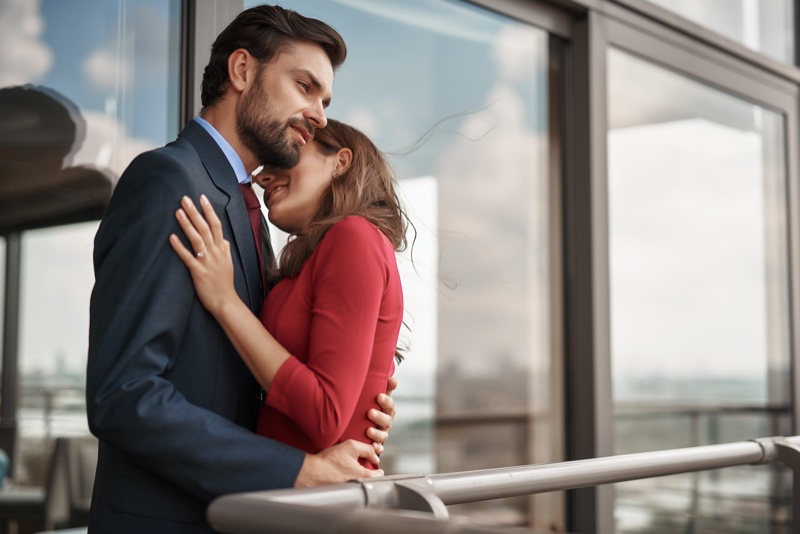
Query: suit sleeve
{"points": [[350, 276], [141, 305]]}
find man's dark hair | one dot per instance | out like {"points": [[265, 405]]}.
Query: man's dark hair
{"points": [[264, 31]]}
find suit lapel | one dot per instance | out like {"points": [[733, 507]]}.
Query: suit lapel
{"points": [[221, 173]]}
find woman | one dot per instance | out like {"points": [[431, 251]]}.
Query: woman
{"points": [[332, 320]]}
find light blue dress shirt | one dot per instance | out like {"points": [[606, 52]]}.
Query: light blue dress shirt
{"points": [[227, 149]]}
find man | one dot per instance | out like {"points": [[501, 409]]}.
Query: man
{"points": [[171, 401]]}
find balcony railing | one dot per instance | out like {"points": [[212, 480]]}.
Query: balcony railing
{"points": [[417, 503]]}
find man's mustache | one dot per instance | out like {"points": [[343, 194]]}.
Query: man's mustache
{"points": [[303, 123]]}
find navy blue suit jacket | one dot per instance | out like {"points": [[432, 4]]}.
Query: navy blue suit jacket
{"points": [[172, 403]]}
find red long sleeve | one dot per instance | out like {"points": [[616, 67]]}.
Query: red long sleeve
{"points": [[340, 319]]}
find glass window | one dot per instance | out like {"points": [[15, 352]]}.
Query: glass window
{"points": [[458, 97], [699, 292], [766, 26], [89, 85], [53, 336]]}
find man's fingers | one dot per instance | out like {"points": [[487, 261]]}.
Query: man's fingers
{"points": [[338, 464], [371, 473], [366, 452]]}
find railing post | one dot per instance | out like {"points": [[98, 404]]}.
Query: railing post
{"points": [[789, 454], [404, 493]]}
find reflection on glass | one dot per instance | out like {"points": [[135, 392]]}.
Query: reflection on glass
{"points": [[40, 132], [458, 97], [89, 85], [766, 26], [54, 348], [699, 289]]}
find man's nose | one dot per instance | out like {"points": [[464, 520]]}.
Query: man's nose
{"points": [[316, 115], [263, 178]]}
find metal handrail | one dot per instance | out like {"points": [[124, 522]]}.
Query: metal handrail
{"points": [[354, 506]]}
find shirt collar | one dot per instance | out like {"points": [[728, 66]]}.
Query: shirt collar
{"points": [[227, 149]]}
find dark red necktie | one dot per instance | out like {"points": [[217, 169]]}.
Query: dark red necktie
{"points": [[254, 214]]}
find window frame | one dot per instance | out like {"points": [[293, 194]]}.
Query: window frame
{"points": [[662, 38]]}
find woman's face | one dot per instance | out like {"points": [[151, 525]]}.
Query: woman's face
{"points": [[292, 196]]}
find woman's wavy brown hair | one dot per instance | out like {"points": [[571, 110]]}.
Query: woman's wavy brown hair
{"points": [[365, 189]]}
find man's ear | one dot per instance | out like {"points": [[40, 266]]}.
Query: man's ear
{"points": [[241, 69], [343, 160]]}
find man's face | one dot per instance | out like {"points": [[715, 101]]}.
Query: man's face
{"points": [[285, 104]]}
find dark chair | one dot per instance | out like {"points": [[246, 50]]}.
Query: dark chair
{"points": [[69, 490], [83, 463], [21, 505], [65, 501]]}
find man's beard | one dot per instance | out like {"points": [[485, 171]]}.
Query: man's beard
{"points": [[268, 141], [265, 138]]}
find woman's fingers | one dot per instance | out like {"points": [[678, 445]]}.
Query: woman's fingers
{"points": [[188, 227], [181, 250], [197, 220], [203, 230], [212, 219]]}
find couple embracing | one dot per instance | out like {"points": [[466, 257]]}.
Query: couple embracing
{"points": [[214, 369]]}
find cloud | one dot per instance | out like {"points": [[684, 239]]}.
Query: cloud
{"points": [[105, 71], [363, 119], [517, 50], [24, 58], [107, 145], [114, 65]]}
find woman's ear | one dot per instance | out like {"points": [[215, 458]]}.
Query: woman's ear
{"points": [[343, 160]]}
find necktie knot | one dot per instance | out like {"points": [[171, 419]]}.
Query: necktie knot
{"points": [[250, 198]]}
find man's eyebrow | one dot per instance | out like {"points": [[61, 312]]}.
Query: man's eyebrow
{"points": [[315, 82]]}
